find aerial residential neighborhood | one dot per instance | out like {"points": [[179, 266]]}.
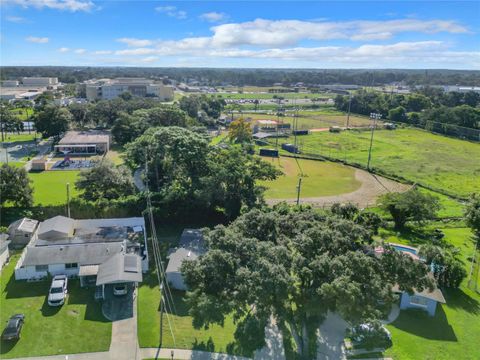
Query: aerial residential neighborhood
{"points": [[239, 180]]}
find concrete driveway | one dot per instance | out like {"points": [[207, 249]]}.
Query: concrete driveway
{"points": [[330, 339], [118, 307]]}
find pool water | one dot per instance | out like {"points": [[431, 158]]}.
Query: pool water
{"points": [[405, 249]]}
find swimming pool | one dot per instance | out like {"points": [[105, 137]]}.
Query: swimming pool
{"points": [[405, 249]]}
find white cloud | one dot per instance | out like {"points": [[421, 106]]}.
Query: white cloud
{"points": [[64, 49], [37, 40], [15, 19], [172, 11], [261, 32], [135, 42], [80, 51], [398, 54], [102, 52], [213, 16], [70, 5]]}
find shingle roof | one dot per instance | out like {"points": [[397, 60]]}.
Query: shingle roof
{"points": [[83, 254], [120, 268], [178, 257], [24, 224], [59, 224], [436, 294]]}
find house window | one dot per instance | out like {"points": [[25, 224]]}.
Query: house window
{"points": [[418, 300], [71, 266], [41, 268]]}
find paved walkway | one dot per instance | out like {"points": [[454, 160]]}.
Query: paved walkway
{"points": [[330, 338], [273, 350]]}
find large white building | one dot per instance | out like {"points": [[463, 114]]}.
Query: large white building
{"points": [[40, 81], [106, 89]]}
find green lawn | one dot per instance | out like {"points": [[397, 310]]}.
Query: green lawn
{"points": [[319, 178], [454, 331], [78, 326], [23, 137], [437, 161], [265, 95], [216, 338], [323, 118], [50, 186]]}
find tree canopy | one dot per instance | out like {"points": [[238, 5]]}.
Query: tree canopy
{"points": [[52, 120], [15, 186], [296, 265], [240, 131], [105, 181], [188, 174], [410, 205]]}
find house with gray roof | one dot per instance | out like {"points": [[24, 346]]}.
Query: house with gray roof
{"points": [[20, 232], [98, 251], [191, 246]]}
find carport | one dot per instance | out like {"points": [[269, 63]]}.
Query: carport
{"points": [[119, 269]]}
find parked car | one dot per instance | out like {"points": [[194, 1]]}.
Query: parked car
{"points": [[58, 290], [13, 328], [370, 335], [120, 289]]}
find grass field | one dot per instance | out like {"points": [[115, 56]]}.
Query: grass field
{"points": [[265, 95], [78, 326], [216, 338], [23, 137], [454, 331], [49, 187], [436, 161], [23, 113], [318, 179], [323, 118]]}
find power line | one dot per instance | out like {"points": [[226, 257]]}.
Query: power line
{"points": [[164, 301]]}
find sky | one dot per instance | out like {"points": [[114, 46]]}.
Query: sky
{"points": [[265, 34]]}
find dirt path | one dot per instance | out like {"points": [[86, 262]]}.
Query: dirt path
{"points": [[372, 187]]}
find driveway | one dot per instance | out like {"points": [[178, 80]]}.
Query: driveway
{"points": [[330, 339], [118, 307]]}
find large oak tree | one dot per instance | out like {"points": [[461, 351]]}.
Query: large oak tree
{"points": [[296, 265]]}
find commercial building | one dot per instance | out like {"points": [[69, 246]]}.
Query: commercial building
{"points": [[107, 89], [88, 142], [98, 251], [40, 81]]}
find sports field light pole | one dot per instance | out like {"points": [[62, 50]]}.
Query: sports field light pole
{"points": [[374, 117], [299, 187]]}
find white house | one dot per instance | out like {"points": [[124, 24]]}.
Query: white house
{"points": [[99, 251], [191, 246], [4, 253]]}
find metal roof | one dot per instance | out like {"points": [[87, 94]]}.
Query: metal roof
{"points": [[120, 268], [85, 137], [88, 270]]}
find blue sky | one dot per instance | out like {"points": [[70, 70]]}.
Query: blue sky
{"points": [[280, 34]]}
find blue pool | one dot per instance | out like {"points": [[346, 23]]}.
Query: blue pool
{"points": [[405, 249]]}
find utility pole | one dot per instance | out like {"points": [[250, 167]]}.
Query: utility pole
{"points": [[68, 199], [299, 186], [374, 117], [349, 106]]}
